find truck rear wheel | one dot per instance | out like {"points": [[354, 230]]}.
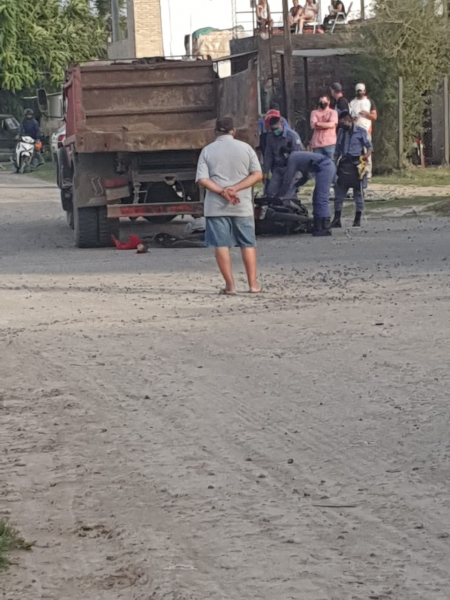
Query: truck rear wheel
{"points": [[86, 227], [93, 229], [107, 228]]}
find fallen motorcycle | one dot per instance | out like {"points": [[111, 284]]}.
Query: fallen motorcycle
{"points": [[288, 216]]}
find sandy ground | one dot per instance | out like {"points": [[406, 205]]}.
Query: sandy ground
{"points": [[159, 442], [408, 191]]}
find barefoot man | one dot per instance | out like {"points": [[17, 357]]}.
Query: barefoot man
{"points": [[228, 170]]}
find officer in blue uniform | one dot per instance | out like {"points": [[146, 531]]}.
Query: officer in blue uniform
{"points": [[352, 145], [281, 141], [325, 172]]}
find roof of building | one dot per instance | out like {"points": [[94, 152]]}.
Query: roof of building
{"points": [[321, 53]]}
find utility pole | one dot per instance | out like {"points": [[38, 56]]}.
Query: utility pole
{"points": [[446, 123], [400, 124], [115, 16], [363, 10], [288, 67]]}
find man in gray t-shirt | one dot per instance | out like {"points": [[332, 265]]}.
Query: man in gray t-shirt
{"points": [[228, 169]]}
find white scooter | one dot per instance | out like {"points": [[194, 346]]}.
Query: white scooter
{"points": [[24, 154]]}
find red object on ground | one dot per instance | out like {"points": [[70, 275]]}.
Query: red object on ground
{"points": [[133, 243]]}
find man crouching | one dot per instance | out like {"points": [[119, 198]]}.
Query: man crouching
{"points": [[228, 169]]}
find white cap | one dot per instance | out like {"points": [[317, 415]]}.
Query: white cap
{"points": [[360, 87]]}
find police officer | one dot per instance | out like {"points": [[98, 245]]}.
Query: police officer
{"points": [[325, 172], [352, 145], [281, 141]]}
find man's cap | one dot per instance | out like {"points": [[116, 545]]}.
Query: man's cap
{"points": [[336, 87], [272, 114], [29, 112], [224, 125], [344, 113], [360, 87]]}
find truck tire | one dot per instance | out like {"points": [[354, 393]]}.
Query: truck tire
{"points": [[93, 229], [86, 227], [107, 228]]}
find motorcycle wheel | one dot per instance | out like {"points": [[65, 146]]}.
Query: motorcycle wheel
{"points": [[23, 165]]}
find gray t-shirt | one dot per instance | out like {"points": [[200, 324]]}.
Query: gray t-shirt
{"points": [[228, 162]]}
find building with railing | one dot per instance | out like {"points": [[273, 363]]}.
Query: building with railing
{"points": [[159, 27]]}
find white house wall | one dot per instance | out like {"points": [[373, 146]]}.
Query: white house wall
{"points": [[181, 17]]}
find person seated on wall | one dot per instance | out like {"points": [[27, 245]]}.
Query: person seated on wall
{"points": [[294, 15], [337, 6], [264, 18], [309, 14]]}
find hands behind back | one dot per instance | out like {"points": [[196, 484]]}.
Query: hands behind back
{"points": [[231, 196]]}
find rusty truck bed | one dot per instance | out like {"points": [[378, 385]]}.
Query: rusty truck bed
{"points": [[155, 105]]}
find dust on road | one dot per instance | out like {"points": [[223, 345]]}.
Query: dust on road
{"points": [[160, 442]]}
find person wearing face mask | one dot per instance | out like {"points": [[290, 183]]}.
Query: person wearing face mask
{"points": [[364, 113], [352, 145], [324, 122], [281, 141]]}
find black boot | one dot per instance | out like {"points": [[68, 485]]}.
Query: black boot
{"points": [[319, 230], [357, 221], [336, 224]]}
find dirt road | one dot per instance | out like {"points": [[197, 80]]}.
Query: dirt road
{"points": [[162, 443]]}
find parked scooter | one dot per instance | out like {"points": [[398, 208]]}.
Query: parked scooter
{"points": [[25, 153]]}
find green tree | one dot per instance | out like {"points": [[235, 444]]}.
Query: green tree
{"points": [[103, 10], [39, 38], [407, 38]]}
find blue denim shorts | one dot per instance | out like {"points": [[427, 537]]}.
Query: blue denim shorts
{"points": [[228, 232]]}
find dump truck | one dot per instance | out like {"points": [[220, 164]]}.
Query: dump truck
{"points": [[134, 133]]}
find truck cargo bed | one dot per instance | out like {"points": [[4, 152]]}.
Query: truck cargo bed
{"points": [[155, 105]]}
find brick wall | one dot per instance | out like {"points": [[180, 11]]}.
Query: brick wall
{"points": [[147, 27]]}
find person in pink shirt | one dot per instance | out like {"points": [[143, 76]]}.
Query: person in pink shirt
{"points": [[324, 122]]}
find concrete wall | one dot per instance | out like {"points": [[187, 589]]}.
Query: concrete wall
{"points": [[145, 35], [122, 49]]}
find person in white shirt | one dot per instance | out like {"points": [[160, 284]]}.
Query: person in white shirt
{"points": [[364, 113]]}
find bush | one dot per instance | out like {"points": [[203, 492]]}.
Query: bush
{"points": [[407, 38]]}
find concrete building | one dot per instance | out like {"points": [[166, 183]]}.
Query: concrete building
{"points": [[144, 31], [158, 27]]}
